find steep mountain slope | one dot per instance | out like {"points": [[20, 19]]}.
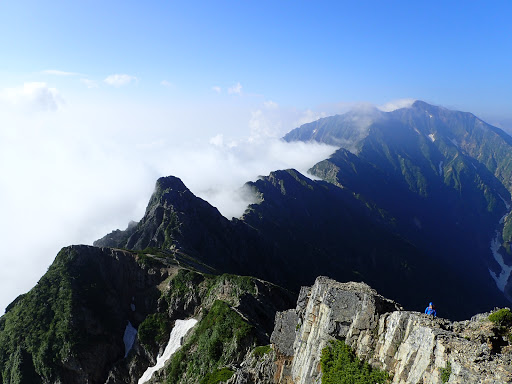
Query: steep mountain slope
{"points": [[180, 222], [346, 130], [318, 228], [70, 325], [74, 325], [300, 229], [443, 175]]}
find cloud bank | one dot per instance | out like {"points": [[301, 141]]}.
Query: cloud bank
{"points": [[73, 175], [32, 97], [70, 174], [218, 171]]}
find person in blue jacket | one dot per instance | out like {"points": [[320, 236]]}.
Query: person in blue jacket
{"points": [[431, 310]]}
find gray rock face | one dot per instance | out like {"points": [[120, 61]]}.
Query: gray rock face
{"points": [[255, 370], [410, 346], [284, 331]]}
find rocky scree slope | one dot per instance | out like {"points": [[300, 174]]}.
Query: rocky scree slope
{"points": [[410, 346]]}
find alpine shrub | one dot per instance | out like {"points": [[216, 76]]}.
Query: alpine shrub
{"points": [[502, 317], [446, 372], [340, 365]]}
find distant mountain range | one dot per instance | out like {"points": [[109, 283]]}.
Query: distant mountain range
{"points": [[415, 202], [445, 176], [410, 204]]}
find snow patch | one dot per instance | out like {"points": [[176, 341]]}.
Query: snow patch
{"points": [[130, 333], [431, 136], [181, 327], [441, 168], [503, 277], [315, 131], [507, 205], [417, 131]]}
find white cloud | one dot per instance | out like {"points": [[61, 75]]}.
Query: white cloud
{"points": [[396, 104], [308, 116], [89, 83], [217, 140], [119, 80], [217, 89], [167, 84], [218, 172], [80, 173], [235, 89], [33, 97], [56, 72], [263, 126], [270, 104]]}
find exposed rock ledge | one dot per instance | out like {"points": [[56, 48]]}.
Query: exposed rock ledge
{"points": [[412, 347]]}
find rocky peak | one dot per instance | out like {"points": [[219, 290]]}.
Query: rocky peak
{"points": [[175, 218], [170, 189], [410, 346]]}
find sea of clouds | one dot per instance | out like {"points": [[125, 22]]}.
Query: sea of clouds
{"points": [[72, 171]]}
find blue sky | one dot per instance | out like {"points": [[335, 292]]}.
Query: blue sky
{"points": [[300, 54], [99, 98]]}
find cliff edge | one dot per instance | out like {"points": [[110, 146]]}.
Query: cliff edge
{"points": [[410, 346]]}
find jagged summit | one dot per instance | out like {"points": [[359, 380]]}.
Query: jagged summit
{"points": [[171, 211], [172, 183]]}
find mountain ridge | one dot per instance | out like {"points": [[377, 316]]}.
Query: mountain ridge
{"points": [[416, 203], [450, 164]]}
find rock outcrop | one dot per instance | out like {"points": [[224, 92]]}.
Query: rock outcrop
{"points": [[410, 346], [255, 369]]}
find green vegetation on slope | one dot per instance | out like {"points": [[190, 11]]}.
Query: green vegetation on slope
{"points": [[155, 327], [215, 342], [446, 372], [186, 282], [261, 351], [218, 376], [507, 232], [36, 333], [502, 317], [340, 365]]}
